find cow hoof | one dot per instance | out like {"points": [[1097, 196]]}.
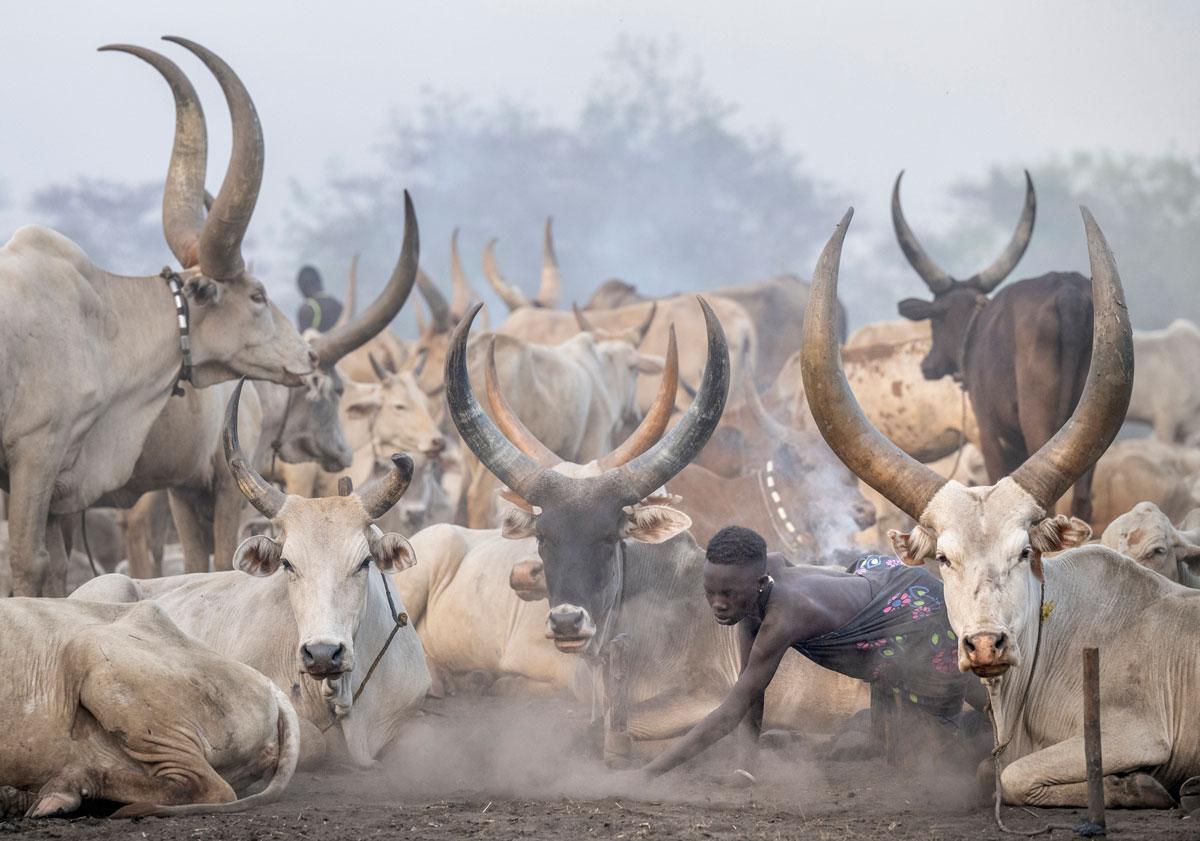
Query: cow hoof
{"points": [[1189, 797], [54, 803], [1138, 791]]}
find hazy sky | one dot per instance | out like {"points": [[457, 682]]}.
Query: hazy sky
{"points": [[859, 89]]}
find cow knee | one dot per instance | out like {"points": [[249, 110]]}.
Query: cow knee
{"points": [[1018, 790]]}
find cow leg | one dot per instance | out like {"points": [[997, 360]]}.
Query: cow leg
{"points": [[1081, 498], [137, 538], [31, 482], [193, 534], [1057, 776], [56, 549], [480, 498], [998, 459], [227, 517]]}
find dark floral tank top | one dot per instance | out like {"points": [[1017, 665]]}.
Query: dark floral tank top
{"points": [[902, 638]]}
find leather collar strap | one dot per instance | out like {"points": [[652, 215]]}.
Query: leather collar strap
{"points": [[185, 342]]}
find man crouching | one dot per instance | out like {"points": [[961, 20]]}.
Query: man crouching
{"points": [[880, 621]]}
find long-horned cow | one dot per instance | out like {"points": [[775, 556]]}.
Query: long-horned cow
{"points": [[307, 610], [1022, 355], [1022, 619], [90, 358], [114, 702]]}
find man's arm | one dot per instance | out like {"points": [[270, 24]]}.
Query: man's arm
{"points": [[765, 654], [751, 726]]}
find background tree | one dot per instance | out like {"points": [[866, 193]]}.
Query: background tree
{"points": [[649, 183]]}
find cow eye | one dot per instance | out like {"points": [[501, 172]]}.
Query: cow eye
{"points": [[286, 564], [365, 563], [942, 559], [1026, 553], [258, 297], [1161, 550]]}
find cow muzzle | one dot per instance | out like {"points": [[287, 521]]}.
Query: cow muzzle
{"points": [[325, 660], [986, 653], [571, 627], [528, 581]]}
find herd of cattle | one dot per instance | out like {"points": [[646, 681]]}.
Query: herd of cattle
{"points": [[557, 528]]}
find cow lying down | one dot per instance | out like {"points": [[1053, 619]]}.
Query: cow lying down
{"points": [[114, 702]]}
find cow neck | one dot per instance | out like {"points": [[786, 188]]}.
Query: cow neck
{"points": [[995, 688], [611, 615], [768, 486], [981, 301], [183, 322]]}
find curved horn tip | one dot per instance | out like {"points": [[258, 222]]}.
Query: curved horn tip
{"points": [[403, 463]]}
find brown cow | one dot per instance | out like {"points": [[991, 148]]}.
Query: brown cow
{"points": [[1022, 356]]}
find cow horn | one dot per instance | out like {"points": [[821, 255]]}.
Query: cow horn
{"points": [[551, 288], [379, 495], [775, 429], [264, 496], [511, 425], [990, 278], [511, 466], [649, 471], [874, 459], [513, 298], [934, 276], [439, 310], [381, 372], [463, 294], [644, 327], [183, 196], [221, 239], [351, 300], [339, 341], [581, 319], [1101, 410], [654, 424]]}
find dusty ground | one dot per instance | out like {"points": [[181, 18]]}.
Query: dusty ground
{"points": [[489, 769]]}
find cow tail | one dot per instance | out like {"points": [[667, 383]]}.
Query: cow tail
{"points": [[288, 725]]}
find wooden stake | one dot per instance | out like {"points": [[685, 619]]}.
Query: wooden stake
{"points": [[1091, 744]]}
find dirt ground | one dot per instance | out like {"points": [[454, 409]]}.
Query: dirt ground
{"points": [[499, 769]]}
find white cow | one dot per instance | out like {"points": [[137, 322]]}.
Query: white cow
{"points": [[311, 610], [1145, 534], [115, 702]]}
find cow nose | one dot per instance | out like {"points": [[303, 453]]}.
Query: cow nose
{"points": [[322, 658], [985, 649], [864, 514], [313, 359], [566, 623]]}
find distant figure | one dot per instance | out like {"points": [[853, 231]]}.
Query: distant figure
{"points": [[319, 310]]}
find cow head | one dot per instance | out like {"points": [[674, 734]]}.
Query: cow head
{"points": [[306, 424], [989, 541], [326, 548], [551, 286], [1146, 535], [581, 515], [620, 363], [394, 416], [956, 303], [234, 329]]}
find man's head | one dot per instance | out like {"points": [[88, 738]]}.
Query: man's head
{"points": [[734, 573], [309, 281]]}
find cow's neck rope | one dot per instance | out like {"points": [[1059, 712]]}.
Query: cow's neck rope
{"points": [[980, 302], [769, 488], [175, 284], [277, 444], [1000, 746]]}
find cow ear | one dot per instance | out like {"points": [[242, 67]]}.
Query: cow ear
{"points": [[202, 290], [917, 309], [650, 365], [363, 408], [915, 546], [258, 555], [393, 552], [1054, 534], [654, 523]]}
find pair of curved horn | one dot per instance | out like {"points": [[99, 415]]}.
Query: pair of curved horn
{"points": [[641, 330], [446, 314], [550, 290], [377, 496], [911, 485], [214, 243], [935, 277], [640, 465], [356, 332]]}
